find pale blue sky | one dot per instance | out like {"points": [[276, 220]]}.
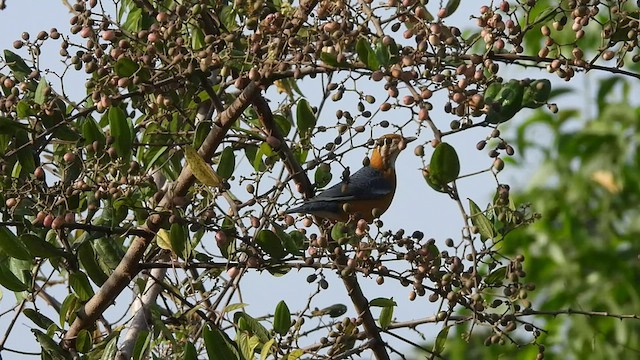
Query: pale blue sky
{"points": [[416, 206]]}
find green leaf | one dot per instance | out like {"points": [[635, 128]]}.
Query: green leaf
{"points": [[251, 152], [270, 243], [329, 59], [441, 340], [68, 308], [283, 124], [282, 319], [451, 7], [247, 344], [197, 38], [38, 319], [84, 341], [17, 65], [266, 349], [228, 17], [202, 130], [92, 132], [142, 345], [218, 344], [134, 20], [119, 126], [161, 151], [9, 126], [323, 175], [40, 247], [305, 118], [49, 346], [380, 56], [509, 100], [264, 150], [295, 354], [178, 238], [367, 55], [606, 85], [363, 49], [386, 315], [201, 170], [480, 220], [126, 67], [26, 153], [232, 307], [278, 270], [382, 302], [492, 91], [247, 323], [110, 350], [298, 239], [108, 251], [333, 311], [40, 95], [443, 188], [339, 230], [190, 352], [11, 246], [80, 284], [444, 166], [290, 244], [89, 261], [496, 276], [227, 163], [9, 281]]}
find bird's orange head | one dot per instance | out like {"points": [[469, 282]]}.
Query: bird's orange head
{"points": [[386, 151]]}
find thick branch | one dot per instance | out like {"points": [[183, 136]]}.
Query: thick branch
{"points": [[293, 167], [364, 312], [141, 310], [128, 266]]}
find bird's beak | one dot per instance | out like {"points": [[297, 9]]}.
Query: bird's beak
{"points": [[409, 139]]}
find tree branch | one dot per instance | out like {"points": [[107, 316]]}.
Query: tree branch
{"points": [[141, 310], [128, 266], [364, 312], [293, 167]]}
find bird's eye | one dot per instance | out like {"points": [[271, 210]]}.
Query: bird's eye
{"points": [[388, 141]]}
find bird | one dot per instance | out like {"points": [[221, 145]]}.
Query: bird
{"points": [[367, 193]]}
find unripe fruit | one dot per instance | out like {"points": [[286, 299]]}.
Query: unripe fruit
{"points": [[498, 164], [232, 272], [48, 220], [70, 218], [108, 35], [221, 238], [11, 202], [39, 173], [85, 32], [58, 222], [289, 220], [69, 157], [39, 218]]}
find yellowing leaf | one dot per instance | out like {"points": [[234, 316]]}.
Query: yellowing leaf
{"points": [[606, 180], [201, 170], [163, 240], [280, 86], [295, 354]]}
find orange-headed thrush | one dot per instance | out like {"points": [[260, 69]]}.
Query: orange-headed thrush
{"points": [[365, 194]]}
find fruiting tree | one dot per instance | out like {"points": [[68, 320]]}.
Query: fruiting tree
{"points": [[201, 122]]}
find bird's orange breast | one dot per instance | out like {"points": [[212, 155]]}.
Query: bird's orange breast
{"points": [[365, 208]]}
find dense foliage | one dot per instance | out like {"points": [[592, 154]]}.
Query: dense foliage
{"points": [[204, 120]]}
